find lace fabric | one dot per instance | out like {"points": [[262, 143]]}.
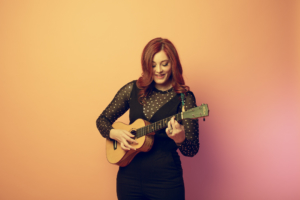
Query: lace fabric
{"points": [[155, 100]]}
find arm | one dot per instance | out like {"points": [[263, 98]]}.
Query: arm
{"points": [[117, 107], [190, 146]]}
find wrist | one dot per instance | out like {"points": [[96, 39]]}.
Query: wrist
{"points": [[180, 143], [110, 135]]}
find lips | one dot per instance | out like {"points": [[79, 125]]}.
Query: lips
{"points": [[160, 76]]}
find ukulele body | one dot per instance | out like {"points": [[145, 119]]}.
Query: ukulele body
{"points": [[116, 155]]}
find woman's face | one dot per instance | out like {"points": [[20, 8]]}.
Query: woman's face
{"points": [[162, 71]]}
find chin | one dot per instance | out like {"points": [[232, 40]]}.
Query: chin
{"points": [[159, 81], [162, 82]]}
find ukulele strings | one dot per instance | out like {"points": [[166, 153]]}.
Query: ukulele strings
{"points": [[156, 126]]}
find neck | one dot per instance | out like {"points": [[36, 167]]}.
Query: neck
{"points": [[164, 87]]}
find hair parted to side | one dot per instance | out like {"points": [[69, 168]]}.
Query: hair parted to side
{"points": [[146, 83]]}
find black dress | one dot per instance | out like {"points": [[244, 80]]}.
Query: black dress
{"points": [[156, 174]]}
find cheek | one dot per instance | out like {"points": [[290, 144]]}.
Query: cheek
{"points": [[170, 71]]}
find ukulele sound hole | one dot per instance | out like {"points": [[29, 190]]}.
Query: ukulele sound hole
{"points": [[133, 132]]}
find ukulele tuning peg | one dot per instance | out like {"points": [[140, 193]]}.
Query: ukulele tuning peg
{"points": [[204, 119]]}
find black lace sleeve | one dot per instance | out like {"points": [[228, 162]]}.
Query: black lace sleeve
{"points": [[117, 107], [190, 146]]}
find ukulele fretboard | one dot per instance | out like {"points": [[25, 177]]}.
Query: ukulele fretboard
{"points": [[156, 126]]}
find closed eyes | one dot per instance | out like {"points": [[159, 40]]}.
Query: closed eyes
{"points": [[164, 64]]}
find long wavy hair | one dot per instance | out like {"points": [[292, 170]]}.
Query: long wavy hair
{"points": [[146, 83]]}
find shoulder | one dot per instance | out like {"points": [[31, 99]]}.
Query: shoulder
{"points": [[190, 94], [126, 89], [129, 85], [190, 97], [131, 82]]}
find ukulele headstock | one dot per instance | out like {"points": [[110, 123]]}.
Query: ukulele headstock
{"points": [[197, 112]]}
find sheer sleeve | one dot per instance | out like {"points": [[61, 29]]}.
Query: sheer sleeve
{"points": [[117, 107], [190, 145]]}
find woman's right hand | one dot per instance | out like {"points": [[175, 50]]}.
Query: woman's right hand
{"points": [[124, 138]]}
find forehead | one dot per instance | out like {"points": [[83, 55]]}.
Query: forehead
{"points": [[160, 56]]}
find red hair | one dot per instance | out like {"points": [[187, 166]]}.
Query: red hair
{"points": [[146, 83]]}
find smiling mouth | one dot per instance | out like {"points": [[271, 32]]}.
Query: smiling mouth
{"points": [[160, 76]]}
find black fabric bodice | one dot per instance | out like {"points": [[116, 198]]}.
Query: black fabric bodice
{"points": [[158, 105], [168, 109], [158, 172]]}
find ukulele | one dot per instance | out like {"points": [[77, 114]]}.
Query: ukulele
{"points": [[144, 133]]}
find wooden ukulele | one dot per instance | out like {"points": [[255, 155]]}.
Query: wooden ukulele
{"points": [[144, 133]]}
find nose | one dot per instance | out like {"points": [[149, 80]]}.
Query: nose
{"points": [[158, 69]]}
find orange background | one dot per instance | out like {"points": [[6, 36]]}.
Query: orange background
{"points": [[61, 63]]}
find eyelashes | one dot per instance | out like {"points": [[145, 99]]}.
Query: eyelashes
{"points": [[162, 65]]}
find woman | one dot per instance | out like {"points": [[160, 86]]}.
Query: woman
{"points": [[159, 93]]}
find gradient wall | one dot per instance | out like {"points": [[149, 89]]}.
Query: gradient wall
{"points": [[61, 63]]}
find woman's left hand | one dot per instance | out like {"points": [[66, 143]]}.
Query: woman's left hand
{"points": [[175, 131]]}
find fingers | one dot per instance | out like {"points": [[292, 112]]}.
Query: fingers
{"points": [[128, 133], [128, 140], [169, 125], [124, 139], [176, 125], [128, 137], [168, 131], [124, 147], [173, 124], [175, 131], [169, 128], [173, 127]]}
